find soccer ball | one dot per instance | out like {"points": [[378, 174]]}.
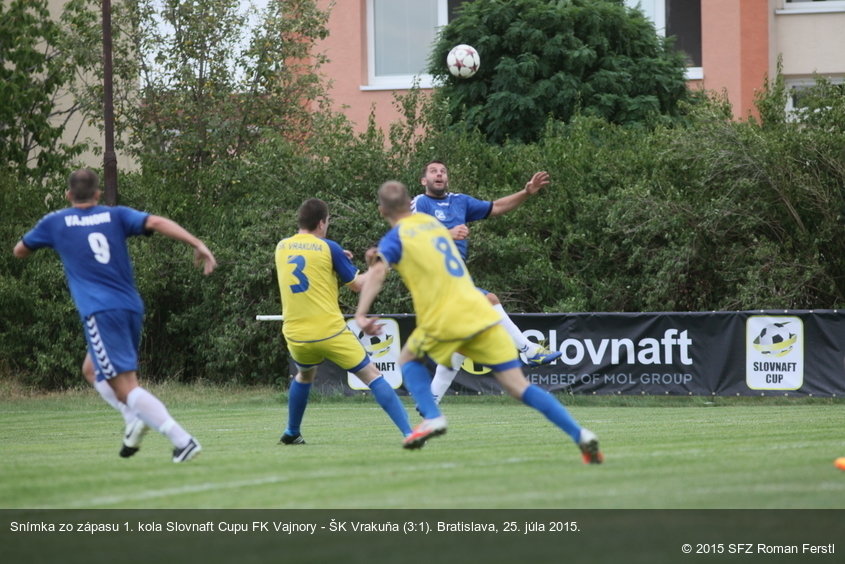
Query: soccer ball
{"points": [[463, 61], [775, 339]]}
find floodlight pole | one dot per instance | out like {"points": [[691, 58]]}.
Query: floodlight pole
{"points": [[109, 157]]}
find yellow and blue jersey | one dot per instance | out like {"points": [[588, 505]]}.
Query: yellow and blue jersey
{"points": [[310, 271], [447, 303]]}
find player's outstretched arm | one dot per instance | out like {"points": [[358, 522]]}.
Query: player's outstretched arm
{"points": [[503, 205], [169, 228]]}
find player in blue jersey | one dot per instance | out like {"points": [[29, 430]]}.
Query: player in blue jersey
{"points": [[91, 242], [456, 211], [452, 316], [310, 268]]}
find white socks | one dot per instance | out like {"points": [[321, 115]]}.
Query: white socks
{"points": [[107, 393], [522, 344], [152, 412], [444, 376]]}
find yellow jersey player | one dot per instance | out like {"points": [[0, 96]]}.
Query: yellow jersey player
{"points": [[310, 269], [452, 316], [456, 211]]}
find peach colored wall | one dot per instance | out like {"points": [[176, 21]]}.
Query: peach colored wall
{"points": [[735, 49], [741, 40], [346, 47], [755, 25]]}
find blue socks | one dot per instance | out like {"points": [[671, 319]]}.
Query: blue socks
{"points": [[548, 405], [391, 404], [297, 401], [418, 383]]}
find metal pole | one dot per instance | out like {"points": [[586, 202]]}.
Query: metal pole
{"points": [[109, 157]]}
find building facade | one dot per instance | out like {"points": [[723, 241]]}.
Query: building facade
{"points": [[380, 47]]}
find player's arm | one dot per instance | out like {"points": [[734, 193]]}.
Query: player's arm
{"points": [[347, 272], [357, 283], [169, 228], [21, 250], [373, 283], [361, 278], [503, 205]]}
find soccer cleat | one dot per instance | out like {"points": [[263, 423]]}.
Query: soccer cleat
{"points": [[291, 439], [427, 429], [132, 436], [187, 452], [542, 356], [589, 445]]}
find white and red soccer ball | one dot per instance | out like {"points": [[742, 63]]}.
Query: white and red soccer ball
{"points": [[463, 61]]}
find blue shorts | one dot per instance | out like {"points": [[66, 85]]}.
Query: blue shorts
{"points": [[113, 337]]}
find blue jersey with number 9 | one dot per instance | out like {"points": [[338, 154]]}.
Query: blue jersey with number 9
{"points": [[92, 245], [447, 303]]}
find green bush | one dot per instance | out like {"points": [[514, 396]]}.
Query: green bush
{"points": [[542, 59], [708, 214]]}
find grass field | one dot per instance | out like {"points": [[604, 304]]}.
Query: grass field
{"points": [[60, 451]]}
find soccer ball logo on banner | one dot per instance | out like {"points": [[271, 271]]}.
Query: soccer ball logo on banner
{"points": [[776, 339], [774, 353], [383, 351], [376, 345]]}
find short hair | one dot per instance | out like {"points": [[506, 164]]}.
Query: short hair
{"points": [[83, 184], [429, 163], [393, 198], [310, 213]]}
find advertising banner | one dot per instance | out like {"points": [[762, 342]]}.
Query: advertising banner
{"points": [[784, 352]]}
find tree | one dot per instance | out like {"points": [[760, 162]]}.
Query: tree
{"points": [[545, 59], [33, 74], [194, 85]]}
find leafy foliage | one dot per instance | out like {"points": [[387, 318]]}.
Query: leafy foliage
{"points": [[542, 60], [704, 213], [34, 71], [210, 87]]}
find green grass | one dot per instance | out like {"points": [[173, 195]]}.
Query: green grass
{"points": [[60, 451]]}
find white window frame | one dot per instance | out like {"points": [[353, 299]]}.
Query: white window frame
{"points": [[792, 84], [822, 7], [396, 82], [691, 73]]}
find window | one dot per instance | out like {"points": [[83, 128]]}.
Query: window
{"points": [[400, 35], [812, 6], [681, 19], [797, 89]]}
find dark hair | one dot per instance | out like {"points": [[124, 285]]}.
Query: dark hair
{"points": [[428, 164], [311, 213], [83, 184]]}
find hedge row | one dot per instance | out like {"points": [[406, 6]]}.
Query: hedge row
{"points": [[712, 215]]}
